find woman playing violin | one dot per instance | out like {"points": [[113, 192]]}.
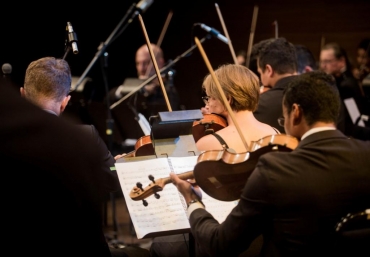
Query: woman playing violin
{"points": [[241, 87]]}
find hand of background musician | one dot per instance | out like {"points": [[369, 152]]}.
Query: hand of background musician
{"points": [[119, 156]]}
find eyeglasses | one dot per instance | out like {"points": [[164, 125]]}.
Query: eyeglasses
{"points": [[327, 61], [205, 99], [281, 121]]}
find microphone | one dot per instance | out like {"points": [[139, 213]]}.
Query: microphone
{"points": [[215, 33], [72, 38], [141, 7], [7, 69]]}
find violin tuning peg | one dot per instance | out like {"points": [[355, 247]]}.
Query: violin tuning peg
{"points": [[151, 178], [145, 203], [156, 195], [139, 185]]}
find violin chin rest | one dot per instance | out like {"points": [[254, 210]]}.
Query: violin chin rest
{"points": [[209, 131]]}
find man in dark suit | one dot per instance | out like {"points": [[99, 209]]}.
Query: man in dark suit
{"points": [[53, 183], [276, 65], [47, 84], [294, 199]]}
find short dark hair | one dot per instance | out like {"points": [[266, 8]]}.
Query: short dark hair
{"points": [[49, 77], [317, 95], [254, 55], [304, 58], [279, 54]]}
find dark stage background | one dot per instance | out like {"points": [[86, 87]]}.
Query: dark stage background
{"points": [[34, 30]]}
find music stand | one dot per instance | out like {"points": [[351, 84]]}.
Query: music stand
{"points": [[172, 133]]}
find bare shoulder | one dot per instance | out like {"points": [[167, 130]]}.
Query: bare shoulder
{"points": [[208, 142]]}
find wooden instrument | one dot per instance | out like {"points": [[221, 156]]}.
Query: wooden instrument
{"points": [[143, 147], [226, 33], [208, 125], [220, 173], [160, 39], [251, 36], [140, 193], [275, 24]]}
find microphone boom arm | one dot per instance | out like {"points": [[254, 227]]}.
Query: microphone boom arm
{"points": [[104, 45]]}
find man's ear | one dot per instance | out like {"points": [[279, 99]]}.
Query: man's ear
{"points": [[21, 89], [64, 103], [269, 70], [297, 114]]}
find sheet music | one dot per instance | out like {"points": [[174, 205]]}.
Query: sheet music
{"points": [[353, 111], [169, 211], [163, 214]]}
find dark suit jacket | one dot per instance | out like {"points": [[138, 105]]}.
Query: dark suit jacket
{"points": [[270, 104], [106, 160], [53, 184], [294, 199]]}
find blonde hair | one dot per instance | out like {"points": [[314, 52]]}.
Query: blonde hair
{"points": [[239, 84]]}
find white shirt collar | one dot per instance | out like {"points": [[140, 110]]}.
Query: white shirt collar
{"points": [[50, 111], [315, 130]]}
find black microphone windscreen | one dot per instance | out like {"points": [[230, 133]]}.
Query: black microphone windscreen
{"points": [[6, 68]]}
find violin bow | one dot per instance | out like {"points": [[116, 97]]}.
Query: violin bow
{"points": [[155, 63], [226, 33], [251, 36], [205, 58], [275, 24], [160, 39]]}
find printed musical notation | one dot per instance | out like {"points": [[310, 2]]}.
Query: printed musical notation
{"points": [[168, 213]]}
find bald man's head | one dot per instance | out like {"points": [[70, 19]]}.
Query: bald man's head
{"points": [[143, 60]]}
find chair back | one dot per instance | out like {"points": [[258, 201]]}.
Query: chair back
{"points": [[353, 231]]}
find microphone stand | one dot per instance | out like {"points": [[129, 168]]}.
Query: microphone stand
{"points": [[109, 131], [164, 69], [109, 121], [108, 41]]}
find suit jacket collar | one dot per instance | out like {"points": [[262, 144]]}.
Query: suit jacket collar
{"points": [[326, 134], [283, 82]]}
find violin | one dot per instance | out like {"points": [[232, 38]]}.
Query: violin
{"points": [[208, 125], [140, 193], [143, 147], [222, 174]]}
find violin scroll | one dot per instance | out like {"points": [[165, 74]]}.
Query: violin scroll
{"points": [[139, 193]]}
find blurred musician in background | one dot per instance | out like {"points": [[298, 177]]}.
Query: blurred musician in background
{"points": [[150, 99]]}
